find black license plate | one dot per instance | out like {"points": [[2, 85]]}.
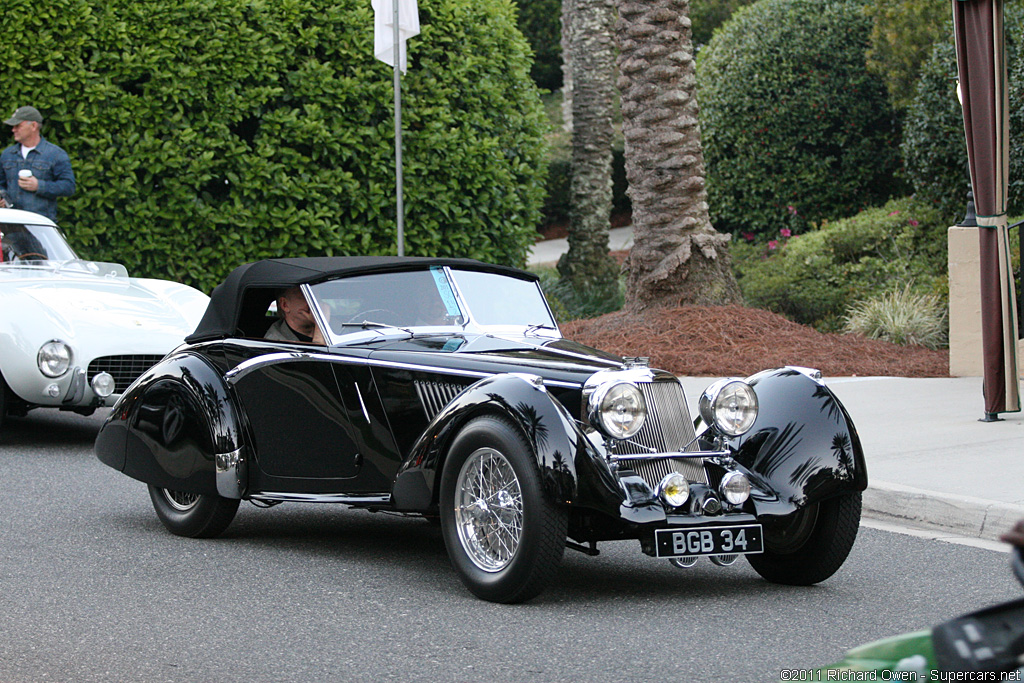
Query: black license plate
{"points": [[742, 539]]}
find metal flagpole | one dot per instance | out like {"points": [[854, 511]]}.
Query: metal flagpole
{"points": [[398, 134]]}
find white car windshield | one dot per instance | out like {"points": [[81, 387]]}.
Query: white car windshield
{"points": [[23, 244]]}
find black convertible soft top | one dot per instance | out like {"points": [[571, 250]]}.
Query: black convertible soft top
{"points": [[223, 314]]}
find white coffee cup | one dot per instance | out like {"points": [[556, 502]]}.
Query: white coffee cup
{"points": [[25, 173]]}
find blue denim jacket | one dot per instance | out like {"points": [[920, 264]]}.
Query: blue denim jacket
{"points": [[50, 165]]}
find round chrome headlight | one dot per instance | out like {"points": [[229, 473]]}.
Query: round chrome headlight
{"points": [[618, 409], [102, 384], [730, 405], [54, 358], [735, 488], [674, 489]]}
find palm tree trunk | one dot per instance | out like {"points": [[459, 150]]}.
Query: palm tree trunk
{"points": [[677, 256], [591, 56]]}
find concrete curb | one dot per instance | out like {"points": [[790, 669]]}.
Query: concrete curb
{"points": [[960, 515]]}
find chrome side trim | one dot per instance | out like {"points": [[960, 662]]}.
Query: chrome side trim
{"points": [[362, 404], [810, 373], [269, 496], [236, 373], [230, 473]]}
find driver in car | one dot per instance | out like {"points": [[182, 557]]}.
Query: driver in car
{"points": [[295, 322]]}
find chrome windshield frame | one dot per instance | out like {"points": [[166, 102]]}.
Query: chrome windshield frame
{"points": [[471, 324]]}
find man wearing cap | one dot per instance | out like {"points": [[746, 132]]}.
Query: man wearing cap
{"points": [[35, 172]]}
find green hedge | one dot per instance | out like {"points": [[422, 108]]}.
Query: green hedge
{"points": [[206, 133], [811, 278], [791, 117]]}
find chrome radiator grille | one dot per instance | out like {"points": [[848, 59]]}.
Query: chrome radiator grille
{"points": [[436, 395], [653, 471], [124, 369], [668, 428]]}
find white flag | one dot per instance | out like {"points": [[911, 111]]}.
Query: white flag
{"points": [[384, 29]]}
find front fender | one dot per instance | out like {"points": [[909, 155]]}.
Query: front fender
{"points": [[544, 422], [802, 448], [176, 427]]}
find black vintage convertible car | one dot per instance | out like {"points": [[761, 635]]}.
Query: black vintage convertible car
{"points": [[443, 388]]}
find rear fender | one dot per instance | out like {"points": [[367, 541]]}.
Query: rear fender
{"points": [[548, 428], [803, 446], [176, 427]]}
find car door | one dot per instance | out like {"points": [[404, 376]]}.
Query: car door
{"points": [[316, 423]]}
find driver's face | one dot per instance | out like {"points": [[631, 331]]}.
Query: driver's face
{"points": [[296, 311]]}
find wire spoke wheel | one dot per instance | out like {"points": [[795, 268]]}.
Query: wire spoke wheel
{"points": [[505, 536], [196, 515], [179, 500], [489, 509]]}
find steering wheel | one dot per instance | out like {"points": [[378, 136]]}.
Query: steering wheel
{"points": [[31, 256], [361, 315]]}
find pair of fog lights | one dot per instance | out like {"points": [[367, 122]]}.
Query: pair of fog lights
{"points": [[674, 489]]}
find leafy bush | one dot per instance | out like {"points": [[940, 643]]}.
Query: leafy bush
{"points": [[791, 117], [811, 278], [541, 24], [934, 151], [205, 133], [900, 316]]}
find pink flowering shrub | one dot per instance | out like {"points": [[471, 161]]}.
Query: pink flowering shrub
{"points": [[813, 276]]}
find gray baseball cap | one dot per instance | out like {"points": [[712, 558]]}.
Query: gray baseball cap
{"points": [[24, 114]]}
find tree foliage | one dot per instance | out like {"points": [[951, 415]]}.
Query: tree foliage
{"points": [[793, 122], [902, 35], [706, 16], [206, 133], [934, 149], [540, 22]]}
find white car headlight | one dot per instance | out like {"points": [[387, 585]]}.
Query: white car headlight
{"points": [[618, 409], [54, 358], [730, 405]]}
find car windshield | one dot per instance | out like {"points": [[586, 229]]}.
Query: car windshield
{"points": [[422, 298], [426, 299], [22, 244], [501, 301]]}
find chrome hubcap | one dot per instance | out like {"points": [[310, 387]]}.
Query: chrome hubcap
{"points": [[488, 509]]}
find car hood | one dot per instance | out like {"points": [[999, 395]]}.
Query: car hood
{"points": [[560, 359], [109, 306]]}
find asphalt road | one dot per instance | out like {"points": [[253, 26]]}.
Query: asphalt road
{"points": [[93, 589]]}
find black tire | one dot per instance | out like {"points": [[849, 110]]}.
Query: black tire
{"points": [[510, 550], [192, 514], [810, 545]]}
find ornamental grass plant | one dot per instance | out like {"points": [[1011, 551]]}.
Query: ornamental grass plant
{"points": [[900, 316]]}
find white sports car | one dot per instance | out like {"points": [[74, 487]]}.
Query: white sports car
{"points": [[74, 334]]}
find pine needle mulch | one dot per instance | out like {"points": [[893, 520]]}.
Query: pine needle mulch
{"points": [[721, 341]]}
